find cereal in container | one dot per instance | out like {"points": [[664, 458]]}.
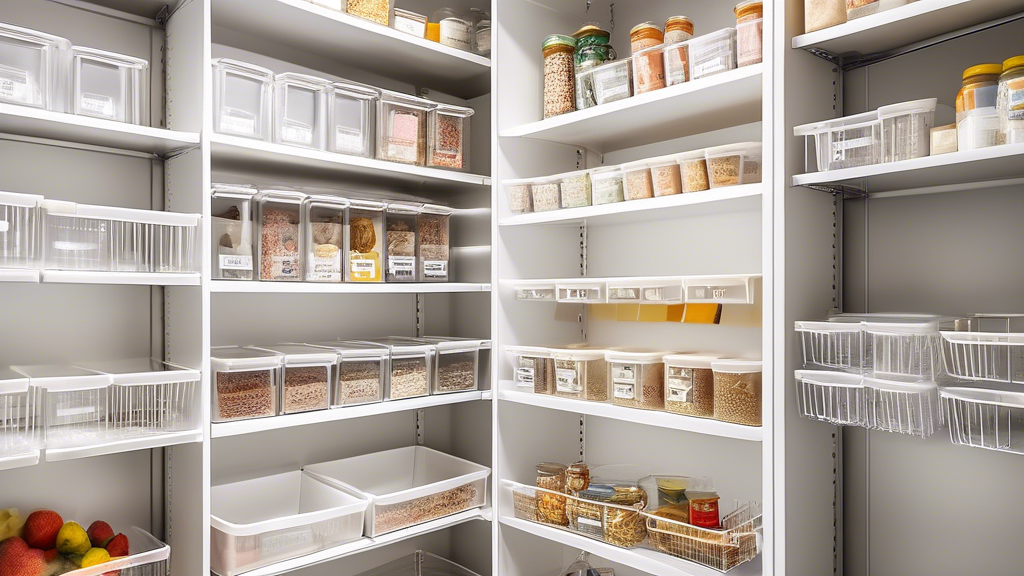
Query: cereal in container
{"points": [[325, 238], [366, 241], [665, 176], [693, 167], [279, 221]]}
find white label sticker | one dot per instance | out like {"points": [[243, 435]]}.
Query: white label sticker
{"points": [[98, 104], [625, 391], [625, 373], [566, 380], [348, 140], [709, 67], [278, 543], [1015, 99], [285, 267], [364, 267], [235, 262], [14, 85], [76, 411], [297, 134], [576, 294], [326, 268], [402, 267], [588, 521], [435, 268], [524, 376], [237, 122], [410, 26], [4, 226]]}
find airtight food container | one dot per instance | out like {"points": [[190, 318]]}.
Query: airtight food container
{"points": [[649, 69], [433, 244], [232, 229], [734, 164], [279, 239], [713, 53], [665, 176], [906, 129], [677, 63], [362, 372], [533, 368], [581, 374], [324, 237], [738, 391], [109, 85], [546, 193], [31, 68], [352, 112], [638, 181], [243, 96], [400, 241], [366, 241], [612, 81], [519, 195], [448, 137], [300, 110], [74, 404], [456, 365], [637, 378], [575, 189], [842, 143], [690, 384], [402, 128], [307, 377], [245, 382], [693, 169], [411, 367], [20, 230]]}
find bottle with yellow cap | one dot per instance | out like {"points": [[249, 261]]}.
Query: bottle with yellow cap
{"points": [[977, 120], [1010, 101]]}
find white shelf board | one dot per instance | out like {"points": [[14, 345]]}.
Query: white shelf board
{"points": [[129, 445], [720, 101], [508, 393], [352, 41], [84, 130], [254, 287], [732, 198], [942, 173], [905, 25], [19, 275], [649, 561], [120, 278], [241, 427], [367, 544], [19, 461], [233, 152]]}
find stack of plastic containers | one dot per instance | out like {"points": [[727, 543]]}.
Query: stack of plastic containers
{"points": [[18, 417], [19, 233]]}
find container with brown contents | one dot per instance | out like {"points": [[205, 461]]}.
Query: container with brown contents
{"points": [[734, 164], [693, 167], [366, 241], [456, 362], [362, 370], [821, 14], [690, 385], [434, 247], [400, 241], [232, 232], [551, 507], [546, 194], [325, 238], [610, 511], [448, 137], [749, 22], [638, 181], [378, 11], [637, 378], [738, 391], [645, 35], [678, 29], [665, 176], [279, 217], [577, 477], [245, 382], [559, 75], [411, 365], [533, 368], [581, 374], [402, 128], [308, 375], [649, 69], [677, 63]]}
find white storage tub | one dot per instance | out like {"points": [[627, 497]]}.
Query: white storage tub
{"points": [[736, 289], [902, 404], [19, 230], [109, 85], [106, 239], [734, 164], [407, 486], [31, 68], [72, 403], [18, 417], [985, 418], [903, 348], [842, 143], [232, 232], [243, 96], [907, 129], [997, 357], [713, 53], [258, 522], [831, 345], [420, 563], [690, 384], [835, 397], [147, 556]]}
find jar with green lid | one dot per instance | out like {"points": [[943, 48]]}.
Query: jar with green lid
{"points": [[1010, 101], [559, 75], [593, 46]]}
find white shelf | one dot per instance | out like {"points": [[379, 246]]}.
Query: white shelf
{"points": [[946, 172], [120, 278], [71, 128], [232, 152], [905, 25], [19, 461], [728, 99], [129, 445], [19, 275], [703, 289], [352, 41], [253, 287], [649, 561], [733, 198], [241, 427], [507, 392], [367, 544]]}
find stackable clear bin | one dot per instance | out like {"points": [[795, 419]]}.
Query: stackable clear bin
{"points": [[300, 110], [244, 382], [738, 391], [73, 403], [19, 230], [575, 189], [448, 142], [361, 373], [263, 521], [401, 240], [546, 193], [985, 418], [910, 348], [411, 367], [307, 377], [690, 384], [734, 164], [835, 397], [402, 128], [903, 404], [243, 96], [279, 241], [713, 53], [649, 69], [831, 345], [457, 364], [607, 185], [843, 143], [996, 357], [533, 368], [582, 292], [420, 564], [637, 378], [612, 81], [107, 239], [31, 68], [353, 119], [637, 181], [519, 195], [18, 415], [325, 237], [109, 85], [407, 486], [738, 540], [677, 63], [232, 232], [147, 556], [646, 291], [433, 243], [906, 129], [580, 374], [534, 290]]}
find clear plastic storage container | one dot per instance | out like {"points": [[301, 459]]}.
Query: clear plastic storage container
{"points": [[456, 365], [410, 23], [245, 383], [749, 24], [279, 230], [738, 391], [411, 367], [575, 188], [307, 377], [407, 486], [378, 11], [637, 378], [243, 96], [107, 239], [906, 129], [581, 374], [844, 142], [690, 385], [607, 184], [903, 404], [110, 85], [693, 169], [831, 345], [300, 110], [665, 176], [1010, 101], [834, 397], [73, 404], [612, 81], [434, 243], [713, 53], [420, 564], [361, 373], [903, 347], [990, 356], [402, 128], [352, 109], [533, 368], [546, 193], [19, 421], [31, 68], [677, 63], [734, 164], [263, 521], [20, 230], [325, 237], [985, 418], [366, 241], [519, 195], [649, 69], [737, 540], [232, 229], [455, 30], [401, 240], [448, 142], [977, 128], [638, 181]]}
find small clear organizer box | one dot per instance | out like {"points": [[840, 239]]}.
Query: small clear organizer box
{"points": [[903, 405], [457, 363], [736, 541], [232, 232], [243, 96], [985, 418], [32, 70], [300, 110], [842, 143], [19, 230], [906, 129], [353, 117], [713, 53], [361, 373], [420, 563], [831, 345], [110, 85], [19, 424], [903, 347], [245, 383], [834, 397], [72, 404], [411, 367]]}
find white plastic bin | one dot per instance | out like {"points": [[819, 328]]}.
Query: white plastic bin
{"points": [[533, 368], [903, 404], [734, 164], [407, 486], [646, 291], [32, 71], [995, 357], [420, 563], [362, 372], [243, 96], [835, 397], [842, 143], [985, 418], [308, 375], [353, 119], [232, 232], [713, 53], [263, 521], [245, 383], [18, 417], [279, 241], [831, 345], [147, 556], [411, 367], [906, 129], [72, 402], [19, 230], [300, 110], [110, 85]]}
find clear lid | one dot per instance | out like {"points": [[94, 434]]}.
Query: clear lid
{"points": [[22, 200], [33, 36], [558, 40], [325, 200], [529, 351], [743, 148], [452, 110], [233, 191], [348, 349], [12, 382], [578, 354], [302, 80], [914, 107], [111, 58], [281, 196], [606, 172], [991, 393], [368, 205], [661, 161], [700, 360], [402, 347], [436, 210], [723, 35], [408, 208], [828, 378], [690, 156], [570, 175], [456, 344], [825, 326], [355, 90], [71, 209], [406, 100], [635, 356], [141, 371], [299, 354], [238, 67], [736, 366], [64, 378], [230, 358], [549, 469]]}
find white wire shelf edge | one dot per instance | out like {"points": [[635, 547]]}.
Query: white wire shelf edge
{"points": [[126, 445], [251, 287]]}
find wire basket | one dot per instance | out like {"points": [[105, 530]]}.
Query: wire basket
{"points": [[903, 406], [737, 541], [983, 418], [984, 356], [832, 345], [835, 397], [622, 526]]}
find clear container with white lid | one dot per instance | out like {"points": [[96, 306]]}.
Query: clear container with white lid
{"points": [[110, 85], [400, 242], [576, 189], [690, 384], [906, 129], [738, 391], [907, 346], [533, 368], [245, 382], [608, 185], [519, 195], [665, 175], [448, 137], [72, 402], [411, 367], [307, 377], [232, 229], [546, 193], [433, 243], [150, 396], [402, 128], [637, 180], [637, 378], [366, 241], [977, 128], [734, 164], [693, 169], [581, 373], [279, 222], [300, 110], [535, 290], [649, 69], [612, 81], [19, 421], [456, 365], [833, 345], [263, 521], [990, 418], [20, 230], [835, 397], [903, 404], [420, 563], [677, 63], [324, 234], [243, 96], [713, 53], [843, 143], [109, 239], [352, 109], [361, 373], [455, 29], [32, 71], [407, 486]]}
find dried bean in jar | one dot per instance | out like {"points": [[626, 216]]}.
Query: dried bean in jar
{"points": [[738, 398], [559, 76]]}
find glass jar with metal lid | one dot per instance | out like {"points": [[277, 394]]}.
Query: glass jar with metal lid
{"points": [[593, 46], [678, 29], [559, 75], [749, 24], [1010, 101], [645, 35]]}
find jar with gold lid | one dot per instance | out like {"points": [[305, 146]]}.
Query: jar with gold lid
{"points": [[678, 29], [976, 116], [645, 35], [1010, 101], [749, 21]]}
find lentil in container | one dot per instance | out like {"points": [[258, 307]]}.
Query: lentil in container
{"points": [[738, 392]]}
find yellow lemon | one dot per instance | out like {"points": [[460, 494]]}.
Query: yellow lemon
{"points": [[95, 556], [72, 539]]}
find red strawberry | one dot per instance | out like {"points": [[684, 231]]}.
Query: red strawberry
{"points": [[41, 528], [99, 533], [118, 546], [50, 555], [17, 559]]}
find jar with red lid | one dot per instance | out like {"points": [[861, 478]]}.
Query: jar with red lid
{"points": [[749, 20]]}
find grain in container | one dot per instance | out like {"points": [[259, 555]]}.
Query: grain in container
{"points": [[645, 35], [366, 241], [1010, 101], [400, 242], [678, 29], [821, 14], [649, 69], [109, 85], [637, 378], [749, 23], [352, 109], [307, 377], [433, 246], [73, 404], [245, 382], [378, 11], [713, 53], [402, 128], [448, 137], [690, 384], [325, 237], [639, 183], [279, 221], [677, 63], [581, 374], [300, 110], [607, 184], [20, 424], [738, 391], [906, 129], [361, 372], [20, 230], [612, 81], [411, 367], [546, 193], [519, 195], [693, 169], [243, 96], [457, 364], [575, 189], [559, 75], [665, 175], [232, 232], [31, 68], [410, 23], [734, 164]]}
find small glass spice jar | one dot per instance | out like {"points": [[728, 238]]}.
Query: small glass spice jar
{"points": [[749, 21], [678, 29], [559, 75], [644, 36]]}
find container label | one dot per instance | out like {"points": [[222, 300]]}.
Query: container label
{"points": [[364, 269], [579, 294], [457, 33], [566, 380], [98, 104], [1015, 99], [402, 267], [410, 26], [623, 294], [709, 67], [709, 293], [298, 134], [625, 391], [524, 376], [285, 267], [348, 140], [14, 85], [237, 121], [680, 385], [278, 543], [625, 373], [235, 262], [588, 521], [74, 246], [326, 268], [435, 268]]}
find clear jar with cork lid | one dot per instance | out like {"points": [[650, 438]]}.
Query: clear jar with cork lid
{"points": [[645, 35], [749, 21], [559, 75]]}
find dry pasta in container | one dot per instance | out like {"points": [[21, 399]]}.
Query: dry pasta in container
{"points": [[612, 81], [607, 184], [550, 506], [546, 193], [520, 195], [411, 366], [649, 69], [738, 391], [713, 53], [575, 189], [300, 110], [677, 63], [580, 373], [402, 128], [533, 368], [32, 62], [906, 129], [325, 238], [734, 164], [307, 377], [243, 96], [448, 137], [821, 14], [361, 372], [352, 109], [245, 383], [690, 384], [279, 225], [366, 241], [109, 85], [678, 29], [559, 75], [378, 11], [232, 232], [645, 35], [434, 243], [665, 176], [638, 181], [637, 378], [400, 242], [1010, 101], [20, 228], [749, 22], [693, 169]]}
